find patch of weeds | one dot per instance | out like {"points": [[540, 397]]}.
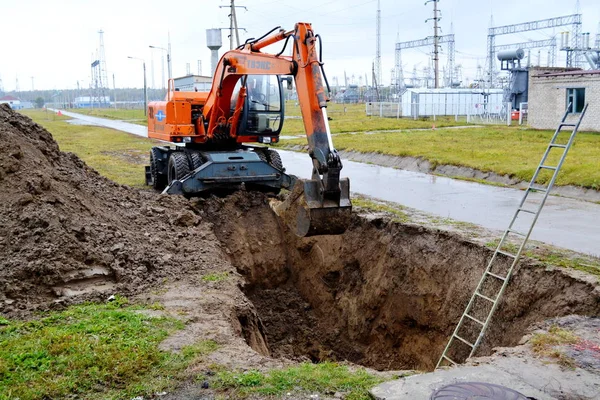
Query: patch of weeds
{"points": [[215, 277], [325, 378], [91, 351], [399, 215], [545, 344], [157, 306], [556, 258]]}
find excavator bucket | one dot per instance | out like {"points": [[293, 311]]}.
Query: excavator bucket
{"points": [[308, 212]]}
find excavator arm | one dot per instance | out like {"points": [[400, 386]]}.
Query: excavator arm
{"points": [[320, 205]]}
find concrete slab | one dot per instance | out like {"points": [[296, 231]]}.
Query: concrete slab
{"points": [[530, 377]]}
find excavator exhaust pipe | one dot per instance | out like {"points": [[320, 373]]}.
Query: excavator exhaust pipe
{"points": [[309, 213]]}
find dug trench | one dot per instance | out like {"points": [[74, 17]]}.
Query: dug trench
{"points": [[385, 295]]}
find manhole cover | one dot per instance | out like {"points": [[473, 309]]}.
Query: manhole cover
{"points": [[476, 391]]}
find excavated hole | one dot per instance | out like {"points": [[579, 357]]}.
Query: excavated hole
{"points": [[384, 295]]}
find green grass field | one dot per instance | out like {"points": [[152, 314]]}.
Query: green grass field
{"points": [[344, 118], [92, 351], [135, 116], [118, 156], [504, 150]]}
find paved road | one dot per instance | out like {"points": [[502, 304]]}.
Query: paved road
{"points": [[564, 222]]}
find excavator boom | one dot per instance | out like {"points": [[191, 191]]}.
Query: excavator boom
{"points": [[320, 205]]}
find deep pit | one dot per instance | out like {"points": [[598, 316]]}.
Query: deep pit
{"points": [[384, 295]]}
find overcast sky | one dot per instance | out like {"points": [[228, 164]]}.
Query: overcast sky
{"points": [[54, 41]]}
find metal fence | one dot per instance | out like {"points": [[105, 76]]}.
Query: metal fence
{"points": [[477, 113]]}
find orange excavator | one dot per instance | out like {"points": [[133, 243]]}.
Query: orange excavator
{"points": [[214, 133]]}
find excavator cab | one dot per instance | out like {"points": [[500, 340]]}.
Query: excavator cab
{"points": [[263, 109]]}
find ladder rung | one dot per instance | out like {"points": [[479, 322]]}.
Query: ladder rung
{"points": [[464, 341], [449, 359], [485, 297], [516, 232], [560, 146], [537, 189], [548, 167], [506, 254], [496, 276], [527, 211], [564, 124], [474, 319]]}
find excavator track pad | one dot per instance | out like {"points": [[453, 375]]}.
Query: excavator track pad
{"points": [[307, 212]]}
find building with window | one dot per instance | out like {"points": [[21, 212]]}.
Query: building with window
{"points": [[552, 90]]}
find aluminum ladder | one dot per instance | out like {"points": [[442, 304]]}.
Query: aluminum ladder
{"points": [[488, 302]]}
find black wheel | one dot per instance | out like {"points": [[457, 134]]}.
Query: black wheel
{"points": [[262, 154], [178, 166], [159, 181], [275, 160], [195, 160]]}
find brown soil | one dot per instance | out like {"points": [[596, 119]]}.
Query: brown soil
{"points": [[384, 294], [68, 234]]}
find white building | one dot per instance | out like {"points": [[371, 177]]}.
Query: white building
{"points": [[430, 102], [12, 101]]}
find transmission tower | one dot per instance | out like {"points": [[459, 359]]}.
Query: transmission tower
{"points": [[436, 41], [449, 39], [99, 73], [378, 45], [450, 78]]}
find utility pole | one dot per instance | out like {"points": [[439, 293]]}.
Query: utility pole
{"points": [[436, 39], [233, 25], [114, 90], [378, 45], [32, 87]]}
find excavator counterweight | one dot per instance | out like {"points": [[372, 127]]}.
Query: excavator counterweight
{"points": [[245, 105]]}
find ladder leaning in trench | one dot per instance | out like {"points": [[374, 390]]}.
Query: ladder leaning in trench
{"points": [[484, 301]]}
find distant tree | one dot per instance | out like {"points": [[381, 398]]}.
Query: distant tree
{"points": [[39, 102]]}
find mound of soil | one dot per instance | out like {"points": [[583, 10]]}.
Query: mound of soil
{"points": [[68, 234]]}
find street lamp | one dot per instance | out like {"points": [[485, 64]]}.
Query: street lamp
{"points": [[145, 87], [168, 59]]}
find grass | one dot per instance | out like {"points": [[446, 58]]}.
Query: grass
{"points": [[353, 118], [92, 351], [512, 151], [117, 155], [135, 116], [545, 344], [326, 378], [215, 277], [398, 214], [590, 265]]}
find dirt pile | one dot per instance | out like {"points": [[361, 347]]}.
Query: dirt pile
{"points": [[67, 233]]}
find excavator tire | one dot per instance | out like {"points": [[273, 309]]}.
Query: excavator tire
{"points": [[159, 181], [178, 166], [195, 160], [275, 160], [262, 154]]}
